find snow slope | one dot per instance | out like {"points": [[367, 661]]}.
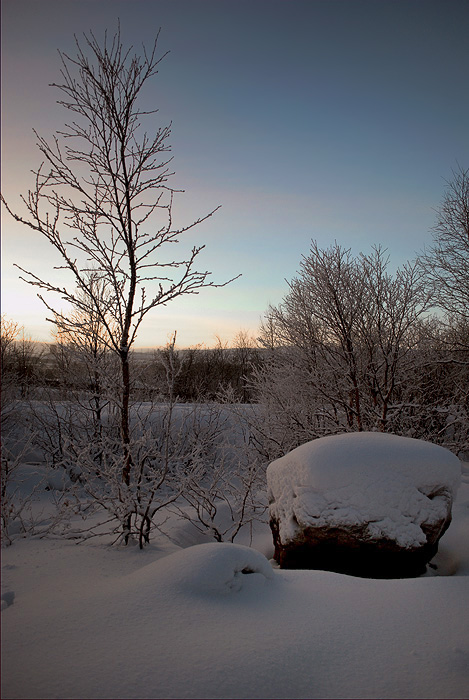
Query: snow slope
{"points": [[91, 621]]}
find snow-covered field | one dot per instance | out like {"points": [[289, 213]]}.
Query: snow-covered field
{"points": [[218, 621]]}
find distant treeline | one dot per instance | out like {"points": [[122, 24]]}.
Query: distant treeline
{"points": [[196, 374]]}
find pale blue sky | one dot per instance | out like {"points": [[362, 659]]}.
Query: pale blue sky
{"points": [[325, 119]]}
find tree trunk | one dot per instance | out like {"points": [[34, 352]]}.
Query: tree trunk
{"points": [[125, 427], [125, 433]]}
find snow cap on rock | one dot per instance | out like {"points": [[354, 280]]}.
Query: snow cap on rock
{"points": [[394, 483]]}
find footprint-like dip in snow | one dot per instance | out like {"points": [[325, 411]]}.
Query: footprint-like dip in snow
{"points": [[7, 599]]}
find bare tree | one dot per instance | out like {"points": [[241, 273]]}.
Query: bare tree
{"points": [[338, 348], [390, 331], [246, 357], [81, 342], [9, 332], [446, 267], [446, 263], [21, 366], [8, 336], [103, 201]]}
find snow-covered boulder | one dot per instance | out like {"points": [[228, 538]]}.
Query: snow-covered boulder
{"points": [[367, 504]]}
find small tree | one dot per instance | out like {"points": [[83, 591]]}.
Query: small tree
{"points": [[81, 341], [446, 267], [21, 363], [446, 263], [246, 355], [106, 182], [9, 333], [338, 348]]}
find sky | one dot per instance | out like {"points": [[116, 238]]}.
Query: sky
{"points": [[326, 120]]}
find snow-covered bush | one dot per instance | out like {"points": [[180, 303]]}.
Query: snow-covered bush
{"points": [[23, 509], [189, 455], [226, 490], [351, 348]]}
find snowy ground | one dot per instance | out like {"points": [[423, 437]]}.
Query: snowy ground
{"points": [[217, 621]]}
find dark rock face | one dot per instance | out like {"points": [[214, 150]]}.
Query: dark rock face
{"points": [[349, 550]]}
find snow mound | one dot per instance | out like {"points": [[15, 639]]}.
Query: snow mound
{"points": [[394, 484], [213, 569]]}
